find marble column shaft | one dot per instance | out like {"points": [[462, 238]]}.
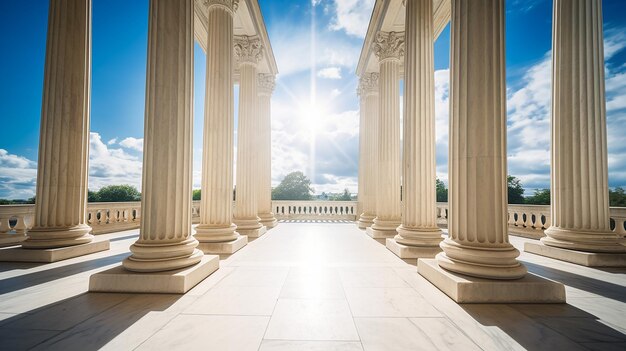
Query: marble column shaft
{"points": [[579, 177], [248, 51], [389, 48], [60, 209], [419, 213], [264, 147], [478, 243], [368, 148], [216, 208], [165, 241]]}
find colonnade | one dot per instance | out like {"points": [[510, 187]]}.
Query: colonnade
{"points": [[166, 241], [478, 243]]}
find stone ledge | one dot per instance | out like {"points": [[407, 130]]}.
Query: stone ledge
{"points": [[179, 281], [405, 251], [380, 234], [11, 239], [588, 259], [19, 254], [466, 289], [224, 248]]}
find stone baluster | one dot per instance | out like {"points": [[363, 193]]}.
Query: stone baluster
{"points": [[418, 235], [368, 91], [248, 52], [264, 149], [216, 232], [579, 177], [389, 48], [478, 243]]}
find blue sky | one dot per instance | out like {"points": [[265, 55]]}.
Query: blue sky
{"points": [[315, 107]]}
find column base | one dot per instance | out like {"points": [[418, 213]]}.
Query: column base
{"points": [[365, 220], [379, 234], [580, 240], [382, 229], [58, 237], [268, 220], [223, 248], [19, 254], [253, 233], [405, 251], [11, 239], [588, 259], [466, 289], [120, 280]]}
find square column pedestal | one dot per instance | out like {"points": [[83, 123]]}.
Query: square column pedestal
{"points": [[465, 289], [253, 234], [406, 251], [224, 248], [588, 259], [380, 234], [18, 254], [179, 281]]}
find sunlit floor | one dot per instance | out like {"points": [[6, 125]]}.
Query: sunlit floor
{"points": [[303, 286]]}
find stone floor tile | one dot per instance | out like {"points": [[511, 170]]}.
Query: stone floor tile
{"points": [[312, 319], [389, 302], [237, 300], [288, 345]]}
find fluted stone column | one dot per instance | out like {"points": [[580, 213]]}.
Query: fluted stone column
{"points": [[478, 243], [216, 209], [264, 149], [248, 52], [579, 177], [389, 48], [60, 211], [165, 241], [368, 160], [419, 235]]}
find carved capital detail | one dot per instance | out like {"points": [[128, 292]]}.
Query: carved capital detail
{"points": [[228, 5], [266, 83], [389, 45], [248, 50], [368, 84]]}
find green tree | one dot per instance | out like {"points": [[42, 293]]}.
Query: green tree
{"points": [[540, 197], [346, 196], [295, 186], [118, 193], [196, 194], [442, 191], [516, 191], [617, 197], [92, 196]]}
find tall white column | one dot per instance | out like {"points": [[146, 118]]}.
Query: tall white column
{"points": [[419, 214], [579, 177], [248, 52], [216, 208], [368, 148], [165, 241], [389, 48], [266, 84], [478, 243], [60, 210]]}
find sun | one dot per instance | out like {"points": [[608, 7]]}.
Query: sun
{"points": [[311, 118]]}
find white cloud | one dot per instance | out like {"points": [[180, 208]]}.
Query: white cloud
{"points": [[352, 16], [112, 141], [132, 143], [17, 176], [330, 73], [109, 166], [335, 92]]}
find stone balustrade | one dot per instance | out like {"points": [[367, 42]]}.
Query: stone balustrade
{"points": [[339, 210], [15, 221], [106, 217]]}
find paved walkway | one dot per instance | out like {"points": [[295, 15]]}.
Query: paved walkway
{"points": [[302, 286]]}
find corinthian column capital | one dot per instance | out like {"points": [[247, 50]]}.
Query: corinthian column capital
{"points": [[389, 45], [248, 50], [368, 84], [266, 84], [229, 5]]}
